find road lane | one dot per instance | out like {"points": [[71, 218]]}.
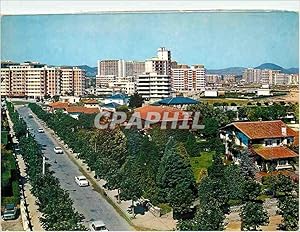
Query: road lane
{"points": [[86, 200]]}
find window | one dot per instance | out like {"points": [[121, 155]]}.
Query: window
{"points": [[278, 141], [268, 142]]}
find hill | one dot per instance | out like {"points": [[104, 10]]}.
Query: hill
{"points": [[224, 71], [89, 71]]}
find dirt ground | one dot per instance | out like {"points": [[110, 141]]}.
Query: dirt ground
{"points": [[12, 225], [293, 96]]}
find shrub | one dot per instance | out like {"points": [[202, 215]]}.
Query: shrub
{"points": [[165, 208]]}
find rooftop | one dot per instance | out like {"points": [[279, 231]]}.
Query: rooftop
{"points": [[82, 109], [90, 101], [263, 129], [59, 105], [271, 153], [177, 101], [169, 112], [111, 105], [117, 96]]}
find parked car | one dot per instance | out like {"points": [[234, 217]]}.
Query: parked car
{"points": [[58, 150], [41, 130], [98, 226], [30, 116], [10, 212], [81, 181]]}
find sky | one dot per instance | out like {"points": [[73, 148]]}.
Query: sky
{"points": [[215, 39]]}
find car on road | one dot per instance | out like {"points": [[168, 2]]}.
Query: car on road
{"points": [[41, 130], [81, 181], [98, 226], [58, 150], [10, 212]]}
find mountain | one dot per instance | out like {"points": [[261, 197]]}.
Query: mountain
{"points": [[239, 70], [277, 67], [89, 71], [224, 71]]}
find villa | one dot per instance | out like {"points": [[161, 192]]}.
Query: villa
{"points": [[267, 141]]}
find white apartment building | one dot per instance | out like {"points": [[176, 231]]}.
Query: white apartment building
{"points": [[120, 68], [153, 86], [187, 79], [160, 64], [37, 80]]}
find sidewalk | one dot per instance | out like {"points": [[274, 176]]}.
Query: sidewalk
{"points": [[33, 208], [141, 222], [34, 213]]}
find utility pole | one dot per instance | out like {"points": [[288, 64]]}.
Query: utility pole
{"points": [[44, 162]]}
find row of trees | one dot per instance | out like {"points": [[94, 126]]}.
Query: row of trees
{"points": [[153, 165], [54, 202]]}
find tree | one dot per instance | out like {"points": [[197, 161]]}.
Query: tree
{"points": [[250, 189], [135, 101], [253, 216], [207, 218], [175, 179], [211, 127], [289, 209], [248, 168], [280, 185]]}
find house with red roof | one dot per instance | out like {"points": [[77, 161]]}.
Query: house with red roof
{"points": [[166, 116], [267, 141]]}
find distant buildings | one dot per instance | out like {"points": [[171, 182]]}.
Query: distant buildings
{"points": [[268, 76], [35, 80], [185, 78]]}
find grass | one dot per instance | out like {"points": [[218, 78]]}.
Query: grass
{"points": [[229, 101], [200, 164]]}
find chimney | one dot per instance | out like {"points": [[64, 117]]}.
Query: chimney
{"points": [[283, 130]]}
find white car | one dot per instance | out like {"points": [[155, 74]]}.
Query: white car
{"points": [[81, 181], [41, 130], [58, 150], [98, 226]]}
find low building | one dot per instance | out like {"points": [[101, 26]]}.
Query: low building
{"points": [[90, 103], [52, 107], [112, 107], [69, 99], [267, 142], [211, 93], [117, 98], [75, 111]]}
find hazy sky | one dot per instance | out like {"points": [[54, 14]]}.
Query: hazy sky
{"points": [[217, 40]]}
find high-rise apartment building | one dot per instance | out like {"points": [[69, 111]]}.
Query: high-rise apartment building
{"points": [[38, 80], [160, 64], [154, 86], [185, 78], [120, 68], [155, 83]]}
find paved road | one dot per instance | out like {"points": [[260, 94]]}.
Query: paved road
{"points": [[86, 200]]}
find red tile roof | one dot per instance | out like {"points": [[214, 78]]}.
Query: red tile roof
{"points": [[90, 101], [81, 109], [271, 153], [264, 129], [168, 111], [59, 105]]}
